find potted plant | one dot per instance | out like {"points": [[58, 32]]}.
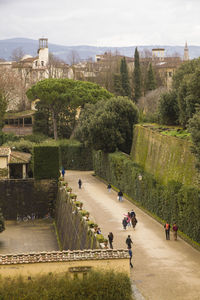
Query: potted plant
{"points": [[100, 238], [81, 205], [95, 227], [87, 215], [73, 196], [91, 224], [105, 243]]}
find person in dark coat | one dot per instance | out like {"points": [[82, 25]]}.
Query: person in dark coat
{"points": [[124, 222], [130, 257], [167, 230], [175, 229], [110, 239], [132, 213], [133, 221], [63, 172], [129, 242], [109, 187], [79, 183], [120, 196]]}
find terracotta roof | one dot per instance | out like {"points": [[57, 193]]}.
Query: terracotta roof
{"points": [[4, 151], [19, 157], [63, 256]]}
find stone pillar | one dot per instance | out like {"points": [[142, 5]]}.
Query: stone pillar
{"points": [[24, 171]]}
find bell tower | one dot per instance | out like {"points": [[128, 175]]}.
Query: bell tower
{"points": [[186, 53], [43, 52]]}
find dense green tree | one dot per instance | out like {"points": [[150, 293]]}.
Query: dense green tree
{"points": [[108, 125], [194, 129], [150, 80], [60, 98], [117, 84], [186, 91], [125, 83], [168, 109], [137, 76]]}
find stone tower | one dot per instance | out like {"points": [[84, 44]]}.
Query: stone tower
{"points": [[186, 53], [43, 52]]}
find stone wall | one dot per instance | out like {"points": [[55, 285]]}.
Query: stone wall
{"points": [[165, 157], [27, 196], [32, 264], [72, 229]]}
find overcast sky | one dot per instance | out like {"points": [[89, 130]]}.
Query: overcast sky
{"points": [[103, 22]]}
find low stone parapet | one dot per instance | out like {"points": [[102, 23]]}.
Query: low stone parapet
{"points": [[31, 264]]}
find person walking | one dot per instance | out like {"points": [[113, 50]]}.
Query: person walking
{"points": [[130, 257], [133, 221], [167, 230], [124, 222], [120, 196], [109, 187], [79, 183], [129, 242], [110, 239], [175, 229], [132, 213], [63, 172]]}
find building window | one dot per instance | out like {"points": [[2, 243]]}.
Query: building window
{"points": [[36, 63], [42, 63], [170, 74]]}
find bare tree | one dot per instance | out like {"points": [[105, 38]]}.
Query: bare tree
{"points": [[9, 87], [73, 57], [17, 54]]}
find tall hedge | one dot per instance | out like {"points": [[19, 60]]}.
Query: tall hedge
{"points": [[172, 202], [46, 162], [75, 156]]}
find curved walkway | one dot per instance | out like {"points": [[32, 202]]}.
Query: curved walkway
{"points": [[163, 270]]}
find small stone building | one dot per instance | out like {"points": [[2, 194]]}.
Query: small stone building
{"points": [[14, 164]]}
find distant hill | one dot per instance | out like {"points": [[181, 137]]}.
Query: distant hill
{"points": [[30, 46]]}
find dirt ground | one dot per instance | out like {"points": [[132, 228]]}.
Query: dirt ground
{"points": [[163, 270], [26, 237]]}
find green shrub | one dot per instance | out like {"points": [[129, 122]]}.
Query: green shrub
{"points": [[6, 137], [100, 238], [21, 145], [46, 162], [36, 138], [173, 202], [90, 224], [77, 203], [73, 196], [84, 212], [96, 286]]}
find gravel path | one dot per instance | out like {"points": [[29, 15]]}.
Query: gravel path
{"points": [[163, 270]]}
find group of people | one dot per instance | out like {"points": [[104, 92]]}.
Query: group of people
{"points": [[129, 220], [167, 230]]}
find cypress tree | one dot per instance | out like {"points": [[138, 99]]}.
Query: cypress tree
{"points": [[151, 81], [126, 89], [137, 76], [117, 83]]}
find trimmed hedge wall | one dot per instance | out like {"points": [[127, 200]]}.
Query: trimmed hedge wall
{"points": [[46, 162], [75, 156], [172, 202]]}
